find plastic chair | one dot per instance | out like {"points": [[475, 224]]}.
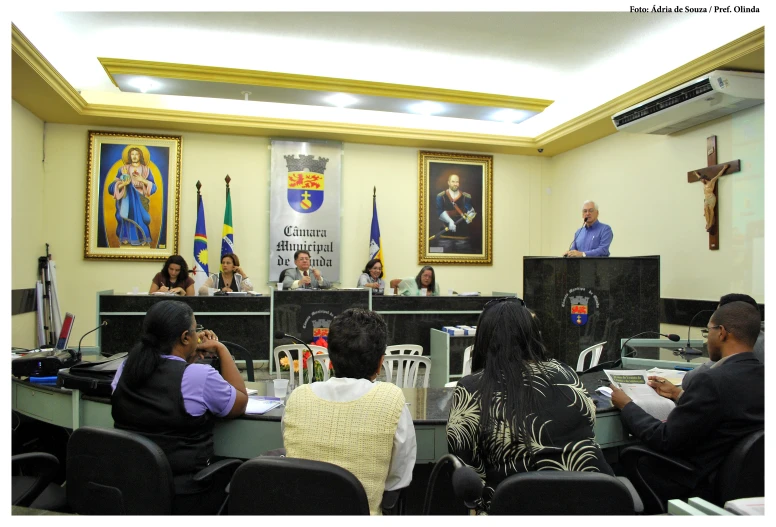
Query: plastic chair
{"points": [[467, 361], [291, 486], [595, 350], [324, 360], [740, 475], [406, 370], [286, 350], [556, 492], [111, 471], [402, 349], [33, 485]]}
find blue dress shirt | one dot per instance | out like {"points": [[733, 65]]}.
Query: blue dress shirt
{"points": [[593, 240]]}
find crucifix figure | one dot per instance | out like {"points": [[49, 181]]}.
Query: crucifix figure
{"points": [[709, 196], [708, 177]]}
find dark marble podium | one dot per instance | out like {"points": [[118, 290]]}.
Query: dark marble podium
{"points": [[584, 301]]}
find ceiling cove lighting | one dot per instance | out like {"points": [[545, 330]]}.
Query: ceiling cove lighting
{"points": [[510, 116], [341, 100], [143, 84], [427, 108]]}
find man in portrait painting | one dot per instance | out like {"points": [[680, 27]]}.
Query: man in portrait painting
{"points": [[455, 211], [132, 187]]}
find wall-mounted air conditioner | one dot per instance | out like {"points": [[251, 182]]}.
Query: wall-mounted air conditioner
{"points": [[711, 96]]}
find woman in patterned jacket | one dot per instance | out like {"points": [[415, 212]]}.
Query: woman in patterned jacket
{"points": [[520, 410]]}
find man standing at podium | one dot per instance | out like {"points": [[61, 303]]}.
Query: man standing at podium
{"points": [[593, 238]]}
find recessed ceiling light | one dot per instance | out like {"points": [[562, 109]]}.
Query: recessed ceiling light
{"points": [[509, 116], [143, 84], [341, 100], [427, 108]]}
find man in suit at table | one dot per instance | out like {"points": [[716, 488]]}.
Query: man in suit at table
{"points": [[721, 406], [304, 276]]}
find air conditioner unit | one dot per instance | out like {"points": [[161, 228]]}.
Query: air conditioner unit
{"points": [[711, 96]]}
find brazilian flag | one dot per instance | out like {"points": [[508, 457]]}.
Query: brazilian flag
{"points": [[227, 236]]}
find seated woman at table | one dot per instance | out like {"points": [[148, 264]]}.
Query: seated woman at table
{"points": [[372, 277], [173, 278], [232, 278], [351, 420], [426, 279], [520, 410], [159, 392]]}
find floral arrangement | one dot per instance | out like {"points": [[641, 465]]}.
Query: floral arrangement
{"points": [[317, 367]]}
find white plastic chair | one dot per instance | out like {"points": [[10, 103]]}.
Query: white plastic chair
{"points": [[467, 361], [286, 350], [401, 349], [324, 360], [595, 350], [406, 370]]}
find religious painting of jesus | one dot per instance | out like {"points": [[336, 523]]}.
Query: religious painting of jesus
{"points": [[132, 196], [456, 208]]}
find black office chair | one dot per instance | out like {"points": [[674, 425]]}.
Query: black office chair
{"points": [[283, 273], [555, 492], [450, 474], [740, 475], [285, 486], [115, 472], [32, 482]]}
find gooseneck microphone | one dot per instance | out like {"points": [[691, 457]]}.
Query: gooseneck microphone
{"points": [[689, 350], [279, 335], [673, 337], [584, 222], [104, 323]]}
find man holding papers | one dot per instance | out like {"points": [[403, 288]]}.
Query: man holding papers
{"points": [[721, 406]]}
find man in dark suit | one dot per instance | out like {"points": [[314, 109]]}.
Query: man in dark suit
{"points": [[722, 405], [304, 276]]}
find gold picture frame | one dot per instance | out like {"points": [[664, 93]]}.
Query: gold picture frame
{"points": [[133, 184], [467, 207]]}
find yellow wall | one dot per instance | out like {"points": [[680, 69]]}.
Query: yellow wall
{"points": [[638, 180], [208, 158], [640, 184], [28, 192]]}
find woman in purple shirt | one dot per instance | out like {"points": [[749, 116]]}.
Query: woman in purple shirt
{"points": [[161, 394]]}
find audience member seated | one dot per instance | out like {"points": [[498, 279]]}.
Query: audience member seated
{"points": [[173, 278], [372, 277], [719, 407], [351, 420], [759, 346], [304, 276], [426, 279], [520, 410], [158, 392], [232, 278]]}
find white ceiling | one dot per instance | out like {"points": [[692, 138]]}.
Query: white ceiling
{"points": [[579, 60]]}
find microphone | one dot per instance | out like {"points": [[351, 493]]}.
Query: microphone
{"points": [[467, 485], [673, 337], [688, 350], [575, 238], [279, 335], [78, 355]]}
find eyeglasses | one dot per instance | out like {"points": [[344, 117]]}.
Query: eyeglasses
{"points": [[705, 331], [198, 328], [503, 299]]}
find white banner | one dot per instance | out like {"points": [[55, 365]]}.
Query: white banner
{"points": [[304, 212]]}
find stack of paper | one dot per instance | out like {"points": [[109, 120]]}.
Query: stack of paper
{"points": [[258, 405], [634, 384]]}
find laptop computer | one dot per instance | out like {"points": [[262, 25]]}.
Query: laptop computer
{"points": [[64, 335]]}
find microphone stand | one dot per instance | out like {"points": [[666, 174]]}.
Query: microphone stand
{"points": [[77, 356], [280, 335], [584, 222], [689, 350]]}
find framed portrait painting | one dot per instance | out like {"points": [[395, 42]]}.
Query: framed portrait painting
{"points": [[132, 196], [456, 208]]}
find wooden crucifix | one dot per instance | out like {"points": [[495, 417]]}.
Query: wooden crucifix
{"points": [[708, 177]]}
